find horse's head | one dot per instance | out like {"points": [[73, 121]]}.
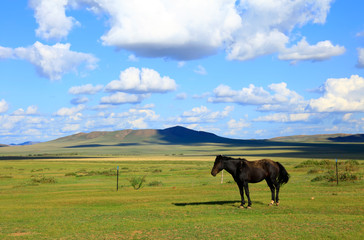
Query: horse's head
{"points": [[218, 165]]}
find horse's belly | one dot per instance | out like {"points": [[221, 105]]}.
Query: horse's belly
{"points": [[257, 176]]}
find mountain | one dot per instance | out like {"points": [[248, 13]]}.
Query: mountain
{"points": [[173, 135], [24, 143], [183, 141], [339, 137]]}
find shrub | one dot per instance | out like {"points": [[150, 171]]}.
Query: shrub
{"points": [[43, 179], [137, 182], [314, 163], [155, 184]]}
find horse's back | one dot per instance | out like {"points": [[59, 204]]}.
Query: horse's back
{"points": [[262, 169]]}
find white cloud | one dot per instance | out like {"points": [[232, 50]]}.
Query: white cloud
{"points": [[9, 122], [181, 64], [236, 126], [6, 53], [284, 117], [4, 106], [279, 98], [70, 128], [31, 110], [69, 111], [252, 95], [266, 25], [51, 18], [200, 70], [303, 51], [123, 98], [79, 100], [251, 45], [134, 80], [203, 114], [360, 58], [85, 89], [259, 96], [341, 95], [246, 29], [51, 61], [181, 96], [159, 28], [132, 58]]}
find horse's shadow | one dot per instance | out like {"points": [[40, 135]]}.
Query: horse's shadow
{"points": [[211, 203]]}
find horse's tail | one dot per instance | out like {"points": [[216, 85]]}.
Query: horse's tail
{"points": [[283, 176]]}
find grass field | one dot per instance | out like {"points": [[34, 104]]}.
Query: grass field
{"points": [[77, 199]]}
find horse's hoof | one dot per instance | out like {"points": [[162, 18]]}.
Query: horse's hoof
{"points": [[277, 204], [271, 203], [241, 207], [248, 207]]}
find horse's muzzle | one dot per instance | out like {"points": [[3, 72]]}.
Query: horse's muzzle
{"points": [[213, 173]]}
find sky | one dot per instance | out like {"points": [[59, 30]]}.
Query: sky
{"points": [[248, 69]]}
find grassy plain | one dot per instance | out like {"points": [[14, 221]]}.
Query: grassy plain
{"points": [[77, 199]]}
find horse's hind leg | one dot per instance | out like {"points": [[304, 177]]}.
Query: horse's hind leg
{"points": [[272, 188], [277, 192]]}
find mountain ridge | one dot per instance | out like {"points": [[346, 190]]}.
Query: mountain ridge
{"points": [[172, 135], [181, 135]]}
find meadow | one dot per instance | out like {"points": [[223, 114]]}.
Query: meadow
{"points": [[77, 199]]}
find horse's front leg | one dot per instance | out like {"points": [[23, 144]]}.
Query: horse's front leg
{"points": [[241, 189], [246, 187]]}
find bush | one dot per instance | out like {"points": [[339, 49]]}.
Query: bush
{"points": [[137, 182], [343, 176], [43, 179], [155, 184], [314, 163]]}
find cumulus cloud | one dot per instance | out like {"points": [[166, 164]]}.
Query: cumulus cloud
{"points": [[202, 115], [51, 61], [85, 89], [51, 18], [134, 80], [160, 28], [251, 45], [31, 110], [266, 25], [266, 100], [236, 126], [4, 106], [6, 52], [69, 111], [285, 117], [360, 58], [123, 98], [341, 95], [252, 95], [303, 51], [246, 29], [70, 128]]}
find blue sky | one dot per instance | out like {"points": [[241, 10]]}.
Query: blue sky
{"points": [[241, 69]]}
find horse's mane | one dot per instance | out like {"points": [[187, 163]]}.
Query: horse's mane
{"points": [[230, 158]]}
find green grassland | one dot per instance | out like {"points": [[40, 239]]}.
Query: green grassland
{"points": [[77, 199]]}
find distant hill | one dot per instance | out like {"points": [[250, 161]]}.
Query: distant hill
{"points": [[173, 135], [183, 141], [340, 137], [24, 143]]}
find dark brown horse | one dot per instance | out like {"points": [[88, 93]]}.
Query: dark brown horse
{"points": [[244, 172]]}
